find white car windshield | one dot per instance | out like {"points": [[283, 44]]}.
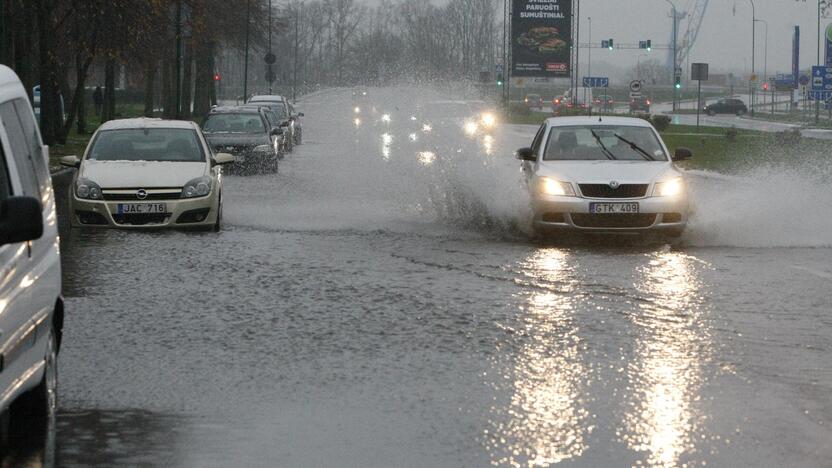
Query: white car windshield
{"points": [[234, 123], [147, 144], [603, 142]]}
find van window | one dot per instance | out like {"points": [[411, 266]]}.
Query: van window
{"points": [[20, 150], [30, 131]]}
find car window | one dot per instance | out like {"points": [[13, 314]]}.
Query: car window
{"points": [[30, 131], [20, 150], [143, 144], [234, 123], [578, 143]]}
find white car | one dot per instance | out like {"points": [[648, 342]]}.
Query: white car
{"points": [[140, 173], [605, 175], [31, 307]]}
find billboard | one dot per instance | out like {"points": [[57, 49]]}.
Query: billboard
{"points": [[541, 38]]}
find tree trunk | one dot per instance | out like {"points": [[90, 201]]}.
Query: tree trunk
{"points": [[109, 110], [47, 118], [204, 96], [187, 81], [150, 87]]}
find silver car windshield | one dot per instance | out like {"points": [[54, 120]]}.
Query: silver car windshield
{"points": [[603, 142], [148, 144]]}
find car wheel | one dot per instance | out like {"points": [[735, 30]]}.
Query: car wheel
{"points": [[741, 112], [299, 137], [41, 403], [711, 112]]}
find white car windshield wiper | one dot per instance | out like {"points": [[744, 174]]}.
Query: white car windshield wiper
{"points": [[635, 147], [606, 151]]}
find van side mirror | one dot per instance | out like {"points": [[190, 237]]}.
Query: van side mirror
{"points": [[21, 220], [682, 154], [525, 154], [70, 161]]}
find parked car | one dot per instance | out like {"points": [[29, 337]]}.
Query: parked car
{"points": [[280, 105], [275, 117], [610, 175], [31, 307], [640, 105], [246, 133], [147, 173], [297, 124], [727, 106]]}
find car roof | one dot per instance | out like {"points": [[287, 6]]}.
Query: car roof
{"points": [[266, 98], [572, 121], [144, 122], [10, 86]]}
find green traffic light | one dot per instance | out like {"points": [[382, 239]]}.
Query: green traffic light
{"points": [[678, 85]]}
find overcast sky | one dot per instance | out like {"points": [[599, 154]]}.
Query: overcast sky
{"points": [[725, 38]]}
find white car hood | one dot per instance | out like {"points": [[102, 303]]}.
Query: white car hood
{"points": [[144, 174], [603, 172]]}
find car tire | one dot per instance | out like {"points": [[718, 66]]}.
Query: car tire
{"points": [[711, 112], [217, 227], [40, 404], [299, 137], [740, 112]]}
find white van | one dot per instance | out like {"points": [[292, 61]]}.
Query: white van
{"points": [[31, 307]]}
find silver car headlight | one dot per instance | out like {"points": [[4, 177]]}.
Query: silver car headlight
{"points": [[548, 186], [199, 187], [669, 188], [88, 190]]}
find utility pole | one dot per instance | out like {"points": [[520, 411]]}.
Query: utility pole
{"points": [[298, 6], [245, 67], [589, 52]]}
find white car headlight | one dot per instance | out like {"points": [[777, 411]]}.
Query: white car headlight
{"points": [[547, 186], [199, 187], [471, 128], [488, 119], [88, 190], [263, 149], [670, 188]]}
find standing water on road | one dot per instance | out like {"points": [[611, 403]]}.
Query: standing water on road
{"points": [[379, 302]]}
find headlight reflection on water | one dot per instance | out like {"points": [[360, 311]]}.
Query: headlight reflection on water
{"points": [[665, 375], [547, 421], [426, 158]]}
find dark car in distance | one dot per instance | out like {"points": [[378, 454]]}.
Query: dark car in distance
{"points": [[246, 133], [640, 105], [727, 106]]}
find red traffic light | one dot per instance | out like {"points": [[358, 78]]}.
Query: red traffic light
{"points": [[217, 77], [765, 86]]}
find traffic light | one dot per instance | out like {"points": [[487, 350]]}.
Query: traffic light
{"points": [[217, 77], [649, 45], [610, 44], [499, 80], [765, 86], [678, 83]]}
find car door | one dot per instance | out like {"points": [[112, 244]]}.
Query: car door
{"points": [[16, 327], [528, 166]]}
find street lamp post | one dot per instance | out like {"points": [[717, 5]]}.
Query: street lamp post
{"points": [[589, 52], [245, 67], [675, 56], [765, 62], [753, 50]]}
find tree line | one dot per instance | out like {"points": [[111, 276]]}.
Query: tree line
{"points": [[56, 43]]}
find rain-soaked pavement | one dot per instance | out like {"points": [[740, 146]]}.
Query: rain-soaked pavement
{"points": [[379, 304]]}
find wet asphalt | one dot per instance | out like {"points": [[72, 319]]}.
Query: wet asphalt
{"points": [[379, 302]]}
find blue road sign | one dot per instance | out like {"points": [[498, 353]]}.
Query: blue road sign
{"points": [[821, 78], [499, 68], [820, 95], [596, 82], [804, 80]]}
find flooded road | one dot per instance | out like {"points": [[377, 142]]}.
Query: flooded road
{"points": [[380, 303]]}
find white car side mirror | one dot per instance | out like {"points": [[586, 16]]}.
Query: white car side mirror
{"points": [[222, 158], [70, 161]]}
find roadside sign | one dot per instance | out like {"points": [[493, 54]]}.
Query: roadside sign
{"points": [[499, 68], [821, 78], [804, 80], [634, 95], [596, 82], [820, 95], [699, 72], [635, 86], [270, 58]]}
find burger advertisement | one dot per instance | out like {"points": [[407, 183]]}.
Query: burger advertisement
{"points": [[541, 37]]}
